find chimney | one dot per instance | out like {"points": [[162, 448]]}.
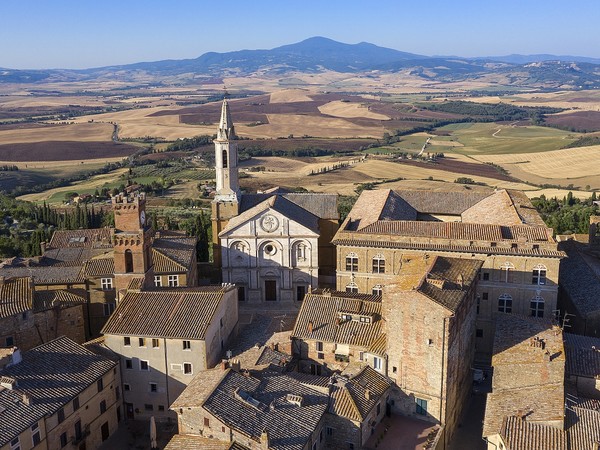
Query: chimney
{"points": [[264, 440], [272, 345], [8, 383], [26, 399], [224, 364], [310, 327], [235, 365], [547, 356], [368, 395], [43, 247]]}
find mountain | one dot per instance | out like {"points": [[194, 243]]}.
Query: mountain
{"points": [[319, 53]]}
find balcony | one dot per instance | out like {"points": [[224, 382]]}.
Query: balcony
{"points": [[342, 358]]}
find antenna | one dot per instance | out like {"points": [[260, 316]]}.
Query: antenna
{"points": [[565, 320]]}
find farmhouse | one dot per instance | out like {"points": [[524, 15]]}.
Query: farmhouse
{"points": [[273, 246]]}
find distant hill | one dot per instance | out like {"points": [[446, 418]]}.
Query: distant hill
{"points": [[319, 54]]}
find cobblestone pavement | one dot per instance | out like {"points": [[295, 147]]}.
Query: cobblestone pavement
{"points": [[400, 433]]}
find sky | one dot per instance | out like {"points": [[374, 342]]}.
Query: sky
{"points": [[74, 34]]}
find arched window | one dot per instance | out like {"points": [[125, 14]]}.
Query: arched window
{"points": [[505, 303], [128, 261], [378, 264], [509, 270], [352, 287], [352, 262], [537, 306], [377, 289], [224, 159], [539, 275]]}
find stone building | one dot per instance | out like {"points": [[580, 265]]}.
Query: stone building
{"points": [[164, 337], [583, 364], [501, 228], [29, 318], [275, 246], [430, 314], [58, 395]]}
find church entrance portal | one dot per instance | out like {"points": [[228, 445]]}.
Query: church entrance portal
{"points": [[270, 290]]}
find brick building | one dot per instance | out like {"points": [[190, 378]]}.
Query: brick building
{"points": [[56, 395], [164, 337], [29, 318], [500, 228]]}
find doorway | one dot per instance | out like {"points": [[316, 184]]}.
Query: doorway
{"points": [[270, 290]]}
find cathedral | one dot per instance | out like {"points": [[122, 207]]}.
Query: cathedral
{"points": [[274, 246]]}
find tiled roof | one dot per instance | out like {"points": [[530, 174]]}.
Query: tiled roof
{"points": [[280, 204], [579, 280], [43, 300], [136, 283], [379, 345], [289, 425], [322, 311], [173, 254], [42, 271], [380, 204], [355, 398], [87, 238], [16, 296], [583, 427], [529, 363], [193, 442], [388, 242], [99, 267], [440, 202], [272, 356], [324, 206], [51, 374], [519, 434], [583, 355], [448, 280], [99, 347], [200, 388], [176, 314]]}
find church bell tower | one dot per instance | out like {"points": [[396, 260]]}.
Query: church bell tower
{"points": [[227, 197]]}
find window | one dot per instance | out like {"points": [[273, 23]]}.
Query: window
{"points": [[352, 287], [10, 341], [128, 261], [144, 365], [421, 406], [509, 271], [224, 159], [157, 281], [505, 303], [106, 283], [270, 249], [187, 368], [221, 322], [187, 345], [148, 407], [486, 276], [352, 262], [301, 252], [61, 415], [100, 384], [365, 319], [78, 433], [485, 295], [206, 422], [377, 289], [539, 275], [376, 363], [109, 308], [153, 387], [75, 403], [479, 332], [361, 356], [329, 431], [126, 387], [173, 280], [141, 342], [102, 406], [537, 306], [129, 364], [126, 341], [63, 439], [161, 407], [378, 264], [155, 343], [300, 292], [35, 434]]}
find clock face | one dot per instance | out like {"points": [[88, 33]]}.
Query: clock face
{"points": [[143, 218]]}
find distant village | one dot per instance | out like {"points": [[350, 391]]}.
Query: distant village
{"points": [[379, 332]]}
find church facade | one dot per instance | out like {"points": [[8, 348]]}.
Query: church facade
{"points": [[274, 246]]}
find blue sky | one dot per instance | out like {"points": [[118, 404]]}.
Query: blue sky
{"points": [[86, 33]]}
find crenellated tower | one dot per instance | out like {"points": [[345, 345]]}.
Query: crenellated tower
{"points": [[132, 239], [226, 202]]}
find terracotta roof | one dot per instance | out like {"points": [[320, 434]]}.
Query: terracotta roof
{"points": [[355, 398], [583, 427], [583, 355], [519, 434], [380, 204], [505, 207], [173, 254], [529, 363], [579, 279], [267, 407], [442, 202], [272, 356], [379, 345], [42, 376], [16, 296], [323, 310], [176, 314], [99, 347], [323, 206], [43, 300], [88, 238], [136, 283], [200, 388], [99, 267], [42, 271], [193, 442]]}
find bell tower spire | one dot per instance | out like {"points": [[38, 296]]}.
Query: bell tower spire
{"points": [[228, 188]]}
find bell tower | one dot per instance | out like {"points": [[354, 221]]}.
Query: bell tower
{"points": [[226, 202], [132, 239]]}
